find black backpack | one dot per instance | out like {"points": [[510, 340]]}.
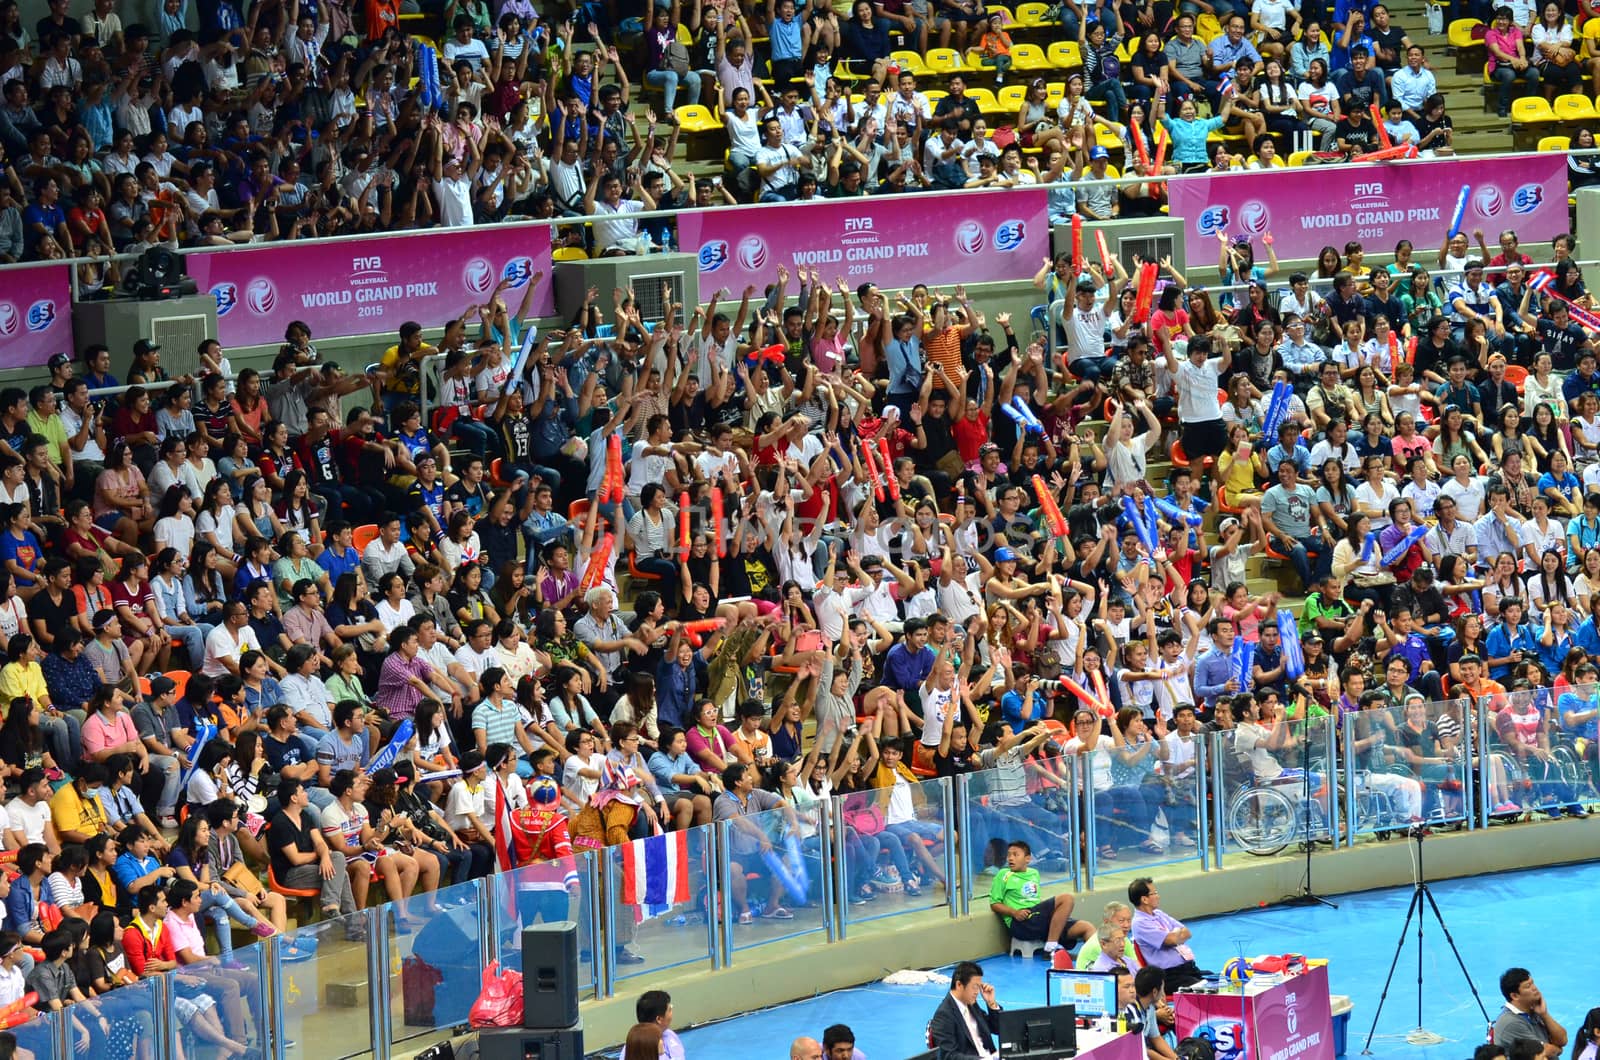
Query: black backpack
{"points": [[1194, 1048]]}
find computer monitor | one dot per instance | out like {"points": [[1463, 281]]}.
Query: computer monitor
{"points": [[1051, 1031]]}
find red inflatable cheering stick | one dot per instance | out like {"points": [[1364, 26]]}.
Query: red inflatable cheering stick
{"points": [[1144, 296], [888, 470], [683, 526], [716, 521], [872, 470], [1052, 510]]}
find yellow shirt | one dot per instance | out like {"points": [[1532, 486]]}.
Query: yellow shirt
{"points": [[70, 813], [22, 679], [1238, 476], [53, 430]]}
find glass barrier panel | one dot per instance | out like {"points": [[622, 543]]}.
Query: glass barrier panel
{"points": [[323, 994], [895, 842], [1145, 791], [435, 962], [1026, 799], [1409, 764], [132, 1017], [41, 1036], [658, 905], [1532, 766], [782, 855], [547, 892], [1277, 782], [219, 1004]]}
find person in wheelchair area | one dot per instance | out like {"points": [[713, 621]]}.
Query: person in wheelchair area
{"points": [[1267, 740], [1578, 707], [1380, 763], [1524, 729], [1432, 750]]}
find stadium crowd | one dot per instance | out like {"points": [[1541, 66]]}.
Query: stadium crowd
{"points": [[235, 123]]}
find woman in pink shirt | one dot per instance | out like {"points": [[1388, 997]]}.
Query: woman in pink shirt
{"points": [[1507, 62], [109, 729], [711, 745]]}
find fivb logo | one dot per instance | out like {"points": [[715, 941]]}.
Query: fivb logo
{"points": [[9, 319], [1255, 218], [261, 296], [478, 276]]}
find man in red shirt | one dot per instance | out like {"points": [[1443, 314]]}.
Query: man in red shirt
{"points": [[145, 942]]}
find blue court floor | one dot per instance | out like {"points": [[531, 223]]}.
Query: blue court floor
{"points": [[1545, 920]]}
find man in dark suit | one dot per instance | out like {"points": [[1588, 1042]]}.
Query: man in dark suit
{"points": [[960, 1030]]}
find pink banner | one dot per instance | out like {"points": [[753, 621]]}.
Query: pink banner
{"points": [[35, 315], [1292, 1020], [891, 241], [371, 286], [1377, 205]]}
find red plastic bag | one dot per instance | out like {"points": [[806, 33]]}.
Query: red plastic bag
{"points": [[499, 1004]]}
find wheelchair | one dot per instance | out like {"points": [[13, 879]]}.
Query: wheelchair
{"points": [[1264, 817]]}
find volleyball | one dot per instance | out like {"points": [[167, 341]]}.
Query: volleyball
{"points": [[1237, 970]]}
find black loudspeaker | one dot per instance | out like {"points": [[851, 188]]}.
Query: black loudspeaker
{"points": [[550, 975], [516, 1043]]}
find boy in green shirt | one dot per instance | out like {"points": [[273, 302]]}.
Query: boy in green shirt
{"points": [[1015, 898]]}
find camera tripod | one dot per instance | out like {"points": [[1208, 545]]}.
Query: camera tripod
{"points": [[1420, 892]]}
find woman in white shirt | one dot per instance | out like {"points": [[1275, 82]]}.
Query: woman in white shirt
{"points": [[1543, 386], [1465, 488], [744, 136], [175, 527], [216, 523], [1127, 454], [1374, 496]]}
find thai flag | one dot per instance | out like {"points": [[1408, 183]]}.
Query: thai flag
{"points": [[655, 872], [1225, 85], [503, 853], [1588, 320], [1541, 281]]}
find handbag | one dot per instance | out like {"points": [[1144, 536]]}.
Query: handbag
{"points": [[677, 58], [238, 875], [499, 1003], [866, 821]]}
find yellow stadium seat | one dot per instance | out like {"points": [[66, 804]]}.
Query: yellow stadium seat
{"points": [[933, 96], [1029, 58], [1054, 93], [1531, 110], [1007, 19], [569, 254], [685, 38], [1573, 107], [1011, 97], [1207, 26], [1032, 15], [1125, 49], [1112, 171], [1459, 33], [696, 118], [1555, 143], [1277, 161], [985, 100], [911, 61], [945, 61], [1299, 158], [1104, 137], [1064, 54]]}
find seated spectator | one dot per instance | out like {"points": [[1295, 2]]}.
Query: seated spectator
{"points": [[1162, 939], [1015, 897]]}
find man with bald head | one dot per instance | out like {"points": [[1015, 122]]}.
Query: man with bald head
{"points": [[805, 1049]]}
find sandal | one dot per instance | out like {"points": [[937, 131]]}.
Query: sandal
{"points": [[1151, 846], [746, 917], [780, 913], [1109, 853]]}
